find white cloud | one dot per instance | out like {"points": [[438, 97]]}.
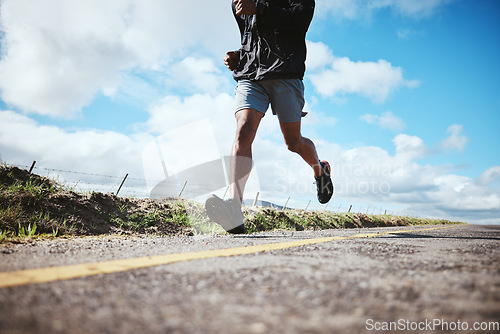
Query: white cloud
{"points": [[338, 8], [366, 174], [333, 76], [318, 55], [408, 33], [372, 176], [409, 147], [412, 8], [404, 33], [489, 176], [172, 112], [57, 55], [462, 194], [386, 121], [23, 140], [374, 80], [356, 9], [197, 75], [456, 140]]}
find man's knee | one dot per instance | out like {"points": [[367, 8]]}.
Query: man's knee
{"points": [[294, 145]]}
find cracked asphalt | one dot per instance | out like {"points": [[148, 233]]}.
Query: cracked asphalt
{"points": [[342, 286]]}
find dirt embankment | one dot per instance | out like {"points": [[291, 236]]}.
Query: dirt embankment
{"points": [[28, 200], [32, 205]]}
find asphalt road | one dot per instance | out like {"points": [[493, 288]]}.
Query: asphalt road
{"points": [[416, 281]]}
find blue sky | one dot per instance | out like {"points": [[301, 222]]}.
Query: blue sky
{"points": [[402, 98]]}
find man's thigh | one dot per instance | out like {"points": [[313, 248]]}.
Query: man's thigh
{"points": [[286, 98], [250, 95]]}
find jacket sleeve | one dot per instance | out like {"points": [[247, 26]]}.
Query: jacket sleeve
{"points": [[296, 17], [239, 20], [241, 26]]}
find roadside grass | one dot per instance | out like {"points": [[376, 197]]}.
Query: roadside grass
{"points": [[34, 207], [20, 194], [264, 219], [137, 221]]}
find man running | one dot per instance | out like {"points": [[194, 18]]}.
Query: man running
{"points": [[269, 68]]}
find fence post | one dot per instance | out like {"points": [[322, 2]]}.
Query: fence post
{"points": [[256, 198], [183, 188], [121, 184], [32, 166], [286, 203]]}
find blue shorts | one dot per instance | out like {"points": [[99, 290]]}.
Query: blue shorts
{"points": [[286, 97]]}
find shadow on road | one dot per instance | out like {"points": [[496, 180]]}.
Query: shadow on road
{"points": [[490, 233]]}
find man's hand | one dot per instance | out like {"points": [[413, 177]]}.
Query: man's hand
{"points": [[231, 60], [245, 7]]}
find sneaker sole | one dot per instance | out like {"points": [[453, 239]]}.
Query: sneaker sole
{"points": [[238, 230], [217, 212]]}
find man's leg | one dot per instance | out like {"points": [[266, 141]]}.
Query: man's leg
{"points": [[228, 213], [301, 145], [247, 123], [306, 149]]}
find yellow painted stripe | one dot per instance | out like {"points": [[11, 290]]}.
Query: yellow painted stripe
{"points": [[50, 274]]}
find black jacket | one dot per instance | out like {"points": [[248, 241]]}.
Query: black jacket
{"points": [[273, 42]]}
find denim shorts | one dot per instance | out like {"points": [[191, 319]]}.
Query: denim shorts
{"points": [[286, 97]]}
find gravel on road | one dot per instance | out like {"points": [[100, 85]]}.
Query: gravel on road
{"points": [[407, 279]]}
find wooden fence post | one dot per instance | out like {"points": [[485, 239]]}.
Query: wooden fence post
{"points": [[32, 166], [121, 184], [183, 188], [256, 198], [286, 203]]}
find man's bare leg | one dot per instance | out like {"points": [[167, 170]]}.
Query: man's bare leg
{"points": [[301, 145], [306, 149], [247, 123]]}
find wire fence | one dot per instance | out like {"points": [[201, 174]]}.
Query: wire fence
{"points": [[130, 186]]}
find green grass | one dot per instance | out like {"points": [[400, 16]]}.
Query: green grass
{"points": [[28, 232], [137, 221], [3, 236], [36, 207], [155, 214], [199, 221], [265, 219]]}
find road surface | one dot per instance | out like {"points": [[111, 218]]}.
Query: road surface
{"points": [[383, 280]]}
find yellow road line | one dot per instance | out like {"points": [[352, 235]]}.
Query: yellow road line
{"points": [[50, 274]]}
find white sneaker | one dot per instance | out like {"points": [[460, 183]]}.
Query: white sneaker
{"points": [[226, 213]]}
